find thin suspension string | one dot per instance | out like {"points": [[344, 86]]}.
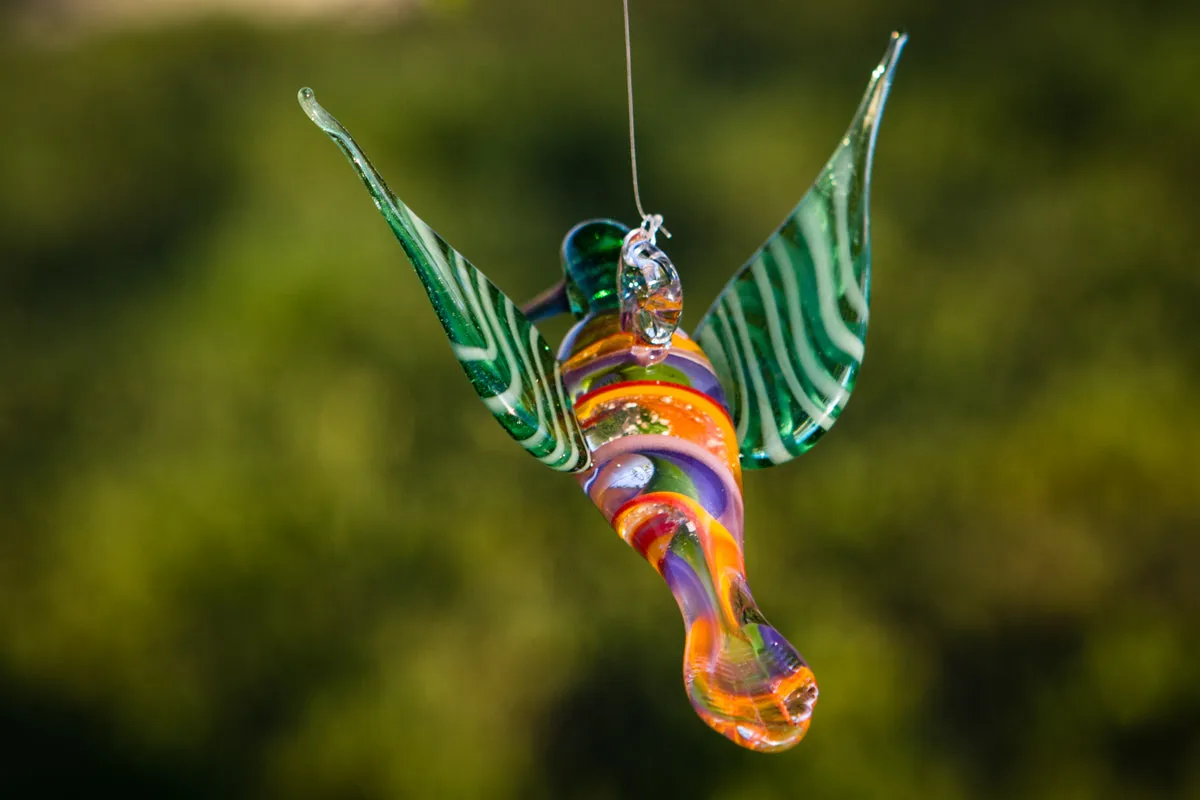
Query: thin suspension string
{"points": [[655, 221]]}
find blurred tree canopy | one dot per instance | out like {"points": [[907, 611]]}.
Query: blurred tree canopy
{"points": [[260, 539]]}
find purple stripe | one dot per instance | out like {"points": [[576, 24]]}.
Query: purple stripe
{"points": [[699, 374], [690, 592]]}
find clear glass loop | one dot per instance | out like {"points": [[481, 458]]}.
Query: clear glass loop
{"points": [[650, 291]]}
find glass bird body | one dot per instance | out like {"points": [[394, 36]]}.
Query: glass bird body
{"points": [[658, 437]]}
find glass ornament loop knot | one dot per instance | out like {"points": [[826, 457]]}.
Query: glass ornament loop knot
{"points": [[650, 293]]}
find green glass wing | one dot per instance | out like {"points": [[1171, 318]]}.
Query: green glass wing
{"points": [[509, 363], [786, 334]]}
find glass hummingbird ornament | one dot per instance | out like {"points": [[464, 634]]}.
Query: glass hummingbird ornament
{"points": [[658, 426]]}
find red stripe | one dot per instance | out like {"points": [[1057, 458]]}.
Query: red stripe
{"points": [[666, 498], [654, 527]]}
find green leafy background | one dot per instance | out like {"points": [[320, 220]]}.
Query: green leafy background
{"points": [[259, 539]]}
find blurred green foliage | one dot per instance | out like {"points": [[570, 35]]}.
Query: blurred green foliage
{"points": [[260, 539]]}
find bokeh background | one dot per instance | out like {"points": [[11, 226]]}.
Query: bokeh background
{"points": [[259, 539]]}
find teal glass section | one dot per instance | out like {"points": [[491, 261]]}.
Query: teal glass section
{"points": [[591, 256]]}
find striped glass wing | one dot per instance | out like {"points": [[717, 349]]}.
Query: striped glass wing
{"points": [[509, 363], [786, 334]]}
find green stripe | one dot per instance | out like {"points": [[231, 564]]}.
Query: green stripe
{"points": [[786, 336]]}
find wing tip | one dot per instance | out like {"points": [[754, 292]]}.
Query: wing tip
{"points": [[317, 113], [871, 110], [891, 57]]}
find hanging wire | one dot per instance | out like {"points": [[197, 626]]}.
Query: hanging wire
{"points": [[652, 222]]}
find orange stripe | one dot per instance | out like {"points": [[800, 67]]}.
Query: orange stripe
{"points": [[688, 414], [629, 389]]}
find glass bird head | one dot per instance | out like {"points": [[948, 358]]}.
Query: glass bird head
{"points": [[610, 268]]}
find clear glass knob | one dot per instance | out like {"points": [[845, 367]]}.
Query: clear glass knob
{"points": [[650, 292]]}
